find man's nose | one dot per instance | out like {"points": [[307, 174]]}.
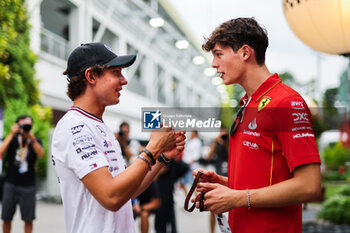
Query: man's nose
{"points": [[123, 80]]}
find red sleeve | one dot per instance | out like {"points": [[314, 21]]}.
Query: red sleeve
{"points": [[293, 128]]}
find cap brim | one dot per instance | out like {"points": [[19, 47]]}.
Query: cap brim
{"points": [[122, 61]]}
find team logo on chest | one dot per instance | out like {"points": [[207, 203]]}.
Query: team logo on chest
{"points": [[265, 101], [101, 130]]}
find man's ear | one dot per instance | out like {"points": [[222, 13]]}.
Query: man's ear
{"points": [[89, 75], [247, 52]]}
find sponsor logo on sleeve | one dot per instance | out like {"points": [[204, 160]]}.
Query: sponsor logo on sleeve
{"points": [[107, 143], [76, 129], [297, 104], [300, 117], [89, 154], [303, 135], [88, 147], [109, 152], [265, 101], [112, 169], [301, 128], [93, 166], [82, 139], [79, 150]]}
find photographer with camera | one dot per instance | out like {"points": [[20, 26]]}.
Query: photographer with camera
{"points": [[129, 147], [20, 149]]}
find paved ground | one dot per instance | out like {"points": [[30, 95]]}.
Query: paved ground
{"points": [[50, 220]]}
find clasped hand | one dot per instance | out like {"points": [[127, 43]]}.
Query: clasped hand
{"points": [[167, 141], [218, 198]]}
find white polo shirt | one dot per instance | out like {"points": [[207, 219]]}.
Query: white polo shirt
{"points": [[82, 143]]}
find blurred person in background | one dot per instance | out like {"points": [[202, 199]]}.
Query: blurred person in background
{"points": [[218, 155], [20, 149], [146, 204], [165, 221], [191, 156], [129, 147]]}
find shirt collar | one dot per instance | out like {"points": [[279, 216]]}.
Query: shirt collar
{"points": [[85, 113], [264, 88]]}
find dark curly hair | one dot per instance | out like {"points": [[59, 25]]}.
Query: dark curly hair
{"points": [[237, 32], [77, 84]]}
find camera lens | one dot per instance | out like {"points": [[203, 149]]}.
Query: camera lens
{"points": [[224, 137], [26, 128]]}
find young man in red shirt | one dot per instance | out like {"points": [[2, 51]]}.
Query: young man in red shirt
{"points": [[274, 164]]}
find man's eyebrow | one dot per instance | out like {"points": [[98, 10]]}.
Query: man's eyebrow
{"points": [[216, 50]]}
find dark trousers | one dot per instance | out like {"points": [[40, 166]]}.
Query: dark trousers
{"points": [[165, 216]]}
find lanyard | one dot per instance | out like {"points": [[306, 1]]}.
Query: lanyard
{"points": [[220, 218], [200, 197], [23, 149]]}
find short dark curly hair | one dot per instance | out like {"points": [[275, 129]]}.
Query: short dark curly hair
{"points": [[77, 84], [237, 32]]}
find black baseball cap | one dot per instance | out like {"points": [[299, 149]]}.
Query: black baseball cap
{"points": [[91, 54]]}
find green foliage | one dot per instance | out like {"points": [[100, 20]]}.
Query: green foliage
{"points": [[343, 91], [336, 156], [318, 125], [19, 92], [288, 79], [344, 190], [333, 189], [331, 115], [227, 112], [16, 58], [332, 175], [336, 209]]}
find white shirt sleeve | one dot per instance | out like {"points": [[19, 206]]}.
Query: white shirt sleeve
{"points": [[75, 145]]}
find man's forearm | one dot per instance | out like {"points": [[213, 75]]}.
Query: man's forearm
{"points": [[5, 144], [38, 149], [304, 186]]}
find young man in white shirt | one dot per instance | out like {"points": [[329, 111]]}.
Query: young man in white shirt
{"points": [[96, 186]]}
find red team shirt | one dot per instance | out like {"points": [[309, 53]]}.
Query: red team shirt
{"points": [[274, 137]]}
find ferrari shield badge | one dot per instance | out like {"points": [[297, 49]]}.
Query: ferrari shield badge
{"points": [[265, 101]]}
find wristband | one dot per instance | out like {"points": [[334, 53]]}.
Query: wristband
{"points": [[144, 159], [164, 160], [149, 154]]}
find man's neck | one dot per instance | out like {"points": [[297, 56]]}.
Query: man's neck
{"points": [[89, 106], [254, 78]]}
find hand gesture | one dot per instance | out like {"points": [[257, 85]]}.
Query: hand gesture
{"points": [[219, 198], [208, 176], [161, 140], [15, 128], [179, 145]]}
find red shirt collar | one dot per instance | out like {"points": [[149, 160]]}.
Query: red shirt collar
{"points": [[264, 88]]}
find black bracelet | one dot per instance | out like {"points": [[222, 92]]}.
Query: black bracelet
{"points": [[164, 160], [149, 154]]}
